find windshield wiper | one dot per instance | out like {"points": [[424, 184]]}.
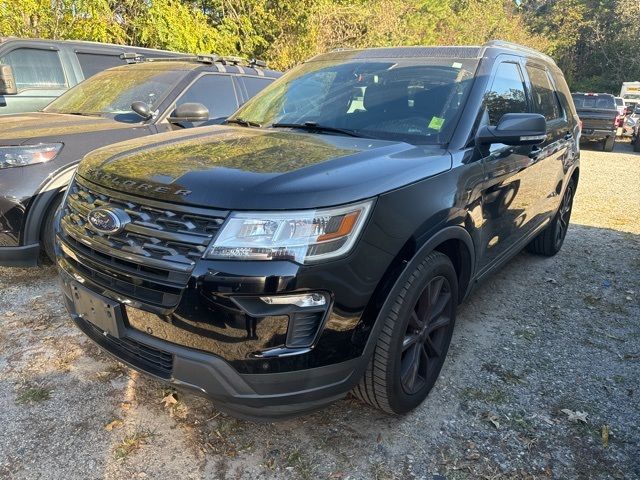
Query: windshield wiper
{"points": [[314, 127], [82, 114], [243, 122]]}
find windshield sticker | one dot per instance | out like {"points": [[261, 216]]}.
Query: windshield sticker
{"points": [[436, 123], [456, 65]]}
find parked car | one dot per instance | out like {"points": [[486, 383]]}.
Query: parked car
{"points": [[599, 117], [40, 151], [321, 240], [34, 72], [622, 111], [631, 120]]}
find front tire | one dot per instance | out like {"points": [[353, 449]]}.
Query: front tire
{"points": [[414, 339], [550, 240], [47, 235]]}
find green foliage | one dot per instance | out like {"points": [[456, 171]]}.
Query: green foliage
{"points": [[594, 41]]}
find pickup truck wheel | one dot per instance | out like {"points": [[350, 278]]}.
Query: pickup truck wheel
{"points": [[608, 144], [414, 340], [550, 240], [47, 235]]}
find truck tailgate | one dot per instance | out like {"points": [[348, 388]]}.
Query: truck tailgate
{"points": [[596, 119]]}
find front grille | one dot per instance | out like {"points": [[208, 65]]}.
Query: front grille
{"points": [[147, 358], [151, 259]]}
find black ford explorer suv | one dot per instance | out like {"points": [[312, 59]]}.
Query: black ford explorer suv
{"points": [[40, 151], [599, 116], [321, 240]]}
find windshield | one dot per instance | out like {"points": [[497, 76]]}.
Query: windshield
{"points": [[604, 102], [417, 101], [111, 93], [632, 96]]}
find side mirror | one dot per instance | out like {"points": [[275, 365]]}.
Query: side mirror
{"points": [[7, 81], [189, 112], [515, 129], [142, 109]]}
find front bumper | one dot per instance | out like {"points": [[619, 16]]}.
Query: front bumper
{"points": [[251, 396], [20, 256]]}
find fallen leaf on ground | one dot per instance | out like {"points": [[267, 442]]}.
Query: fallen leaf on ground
{"points": [[576, 416], [113, 425], [9, 314], [169, 400], [493, 418], [605, 435]]}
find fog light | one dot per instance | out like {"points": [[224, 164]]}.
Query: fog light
{"points": [[303, 300]]}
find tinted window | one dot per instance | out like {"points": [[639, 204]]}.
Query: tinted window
{"points": [[602, 102], [255, 84], [92, 63], [34, 68], [216, 92], [506, 94], [545, 101], [619, 102]]}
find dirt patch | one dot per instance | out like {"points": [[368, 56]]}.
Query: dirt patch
{"points": [[539, 337]]}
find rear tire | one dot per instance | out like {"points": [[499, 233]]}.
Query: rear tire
{"points": [[550, 240], [414, 339], [47, 235], [636, 143], [608, 144]]}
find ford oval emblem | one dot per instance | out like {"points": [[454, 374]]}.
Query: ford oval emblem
{"points": [[108, 220]]}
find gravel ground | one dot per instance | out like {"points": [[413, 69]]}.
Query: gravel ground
{"points": [[541, 381]]}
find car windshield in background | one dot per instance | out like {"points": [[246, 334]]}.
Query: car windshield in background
{"points": [[416, 101], [603, 102], [111, 93]]}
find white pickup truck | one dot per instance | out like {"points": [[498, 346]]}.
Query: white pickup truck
{"points": [[630, 93]]}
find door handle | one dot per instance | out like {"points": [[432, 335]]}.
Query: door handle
{"points": [[534, 153]]}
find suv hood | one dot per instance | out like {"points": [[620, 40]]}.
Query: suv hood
{"points": [[241, 168], [31, 127]]}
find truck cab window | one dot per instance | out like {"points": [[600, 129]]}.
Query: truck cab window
{"points": [[35, 68]]}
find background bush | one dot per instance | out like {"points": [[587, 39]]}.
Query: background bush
{"points": [[594, 41]]}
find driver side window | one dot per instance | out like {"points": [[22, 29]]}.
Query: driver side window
{"points": [[507, 94]]}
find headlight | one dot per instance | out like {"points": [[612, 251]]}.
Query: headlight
{"points": [[302, 236], [21, 155]]}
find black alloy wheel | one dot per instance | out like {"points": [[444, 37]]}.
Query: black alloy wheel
{"points": [[563, 216], [425, 338]]}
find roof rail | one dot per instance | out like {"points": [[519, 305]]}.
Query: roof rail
{"points": [[209, 58], [517, 46]]}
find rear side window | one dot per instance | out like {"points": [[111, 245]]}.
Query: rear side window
{"points": [[92, 63], [545, 100], [255, 84], [619, 102], [507, 94], [34, 68], [216, 92]]}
